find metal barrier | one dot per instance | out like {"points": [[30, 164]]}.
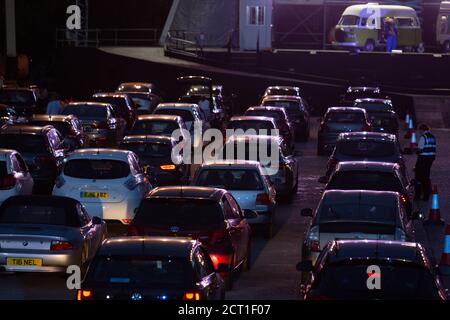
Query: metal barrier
{"points": [[107, 37], [183, 42]]}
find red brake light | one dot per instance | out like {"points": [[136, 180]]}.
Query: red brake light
{"points": [[84, 295], [126, 221], [192, 296], [404, 198], [8, 182], [263, 199], [61, 246]]}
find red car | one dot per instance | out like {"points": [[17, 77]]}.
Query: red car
{"points": [[209, 215]]}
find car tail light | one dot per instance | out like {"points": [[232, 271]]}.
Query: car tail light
{"points": [[404, 198], [8, 182], [59, 182], [192, 296], [133, 231], [61, 246], [313, 239], [84, 295], [168, 167], [263, 199], [220, 236], [126, 221]]}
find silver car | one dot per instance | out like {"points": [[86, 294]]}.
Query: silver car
{"points": [[47, 234]]}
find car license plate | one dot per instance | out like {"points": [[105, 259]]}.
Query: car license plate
{"points": [[24, 262], [96, 195]]}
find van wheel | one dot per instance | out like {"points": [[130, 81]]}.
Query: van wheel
{"points": [[420, 48], [369, 46]]}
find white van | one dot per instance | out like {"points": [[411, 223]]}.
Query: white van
{"points": [[443, 26]]}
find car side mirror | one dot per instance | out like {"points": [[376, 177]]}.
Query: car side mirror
{"points": [[250, 214], [97, 221], [323, 179], [305, 266], [307, 212]]}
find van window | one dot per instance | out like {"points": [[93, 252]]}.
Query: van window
{"points": [[349, 20], [405, 22]]}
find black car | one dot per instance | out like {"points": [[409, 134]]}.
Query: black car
{"points": [[151, 268], [7, 115], [155, 157], [344, 268], [122, 104], [68, 126], [381, 114], [42, 149], [21, 100]]}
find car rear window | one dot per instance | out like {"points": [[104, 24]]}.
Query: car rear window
{"points": [[270, 114], [152, 150], [96, 169], [399, 281], [20, 98], [230, 179], [87, 113], [281, 92], [160, 272], [156, 128], [63, 127], [357, 212], [192, 214], [374, 106], [186, 115], [56, 215], [24, 143], [252, 124], [366, 148], [291, 107], [235, 147], [345, 117], [3, 169], [365, 180], [119, 104], [381, 119]]}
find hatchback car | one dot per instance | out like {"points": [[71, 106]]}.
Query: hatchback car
{"points": [[356, 214], [366, 146], [41, 148], [155, 157], [248, 184], [15, 178], [338, 120], [376, 176], [282, 121], [47, 234], [69, 127], [152, 268], [122, 104], [157, 125], [343, 269], [22, 100], [381, 114], [359, 92], [297, 110], [109, 183], [101, 125], [209, 215]]}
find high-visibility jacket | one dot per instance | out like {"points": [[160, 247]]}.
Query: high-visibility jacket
{"points": [[427, 145]]}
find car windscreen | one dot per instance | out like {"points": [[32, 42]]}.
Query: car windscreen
{"points": [[103, 169], [63, 127], [142, 103], [186, 115], [24, 143], [55, 214], [20, 98], [265, 113], [374, 106], [291, 107], [252, 124], [87, 113], [351, 211], [149, 150], [345, 117], [349, 20], [232, 179], [157, 272], [119, 104], [365, 180], [191, 214], [154, 127], [366, 148], [398, 281]]}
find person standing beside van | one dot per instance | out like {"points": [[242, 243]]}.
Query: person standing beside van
{"points": [[390, 33]]}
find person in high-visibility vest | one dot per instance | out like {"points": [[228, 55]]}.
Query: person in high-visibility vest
{"points": [[426, 154]]}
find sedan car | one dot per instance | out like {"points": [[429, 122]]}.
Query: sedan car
{"points": [[22, 100], [47, 234], [296, 109], [155, 157], [152, 268], [15, 177], [100, 123], [356, 214], [376, 176], [343, 269], [121, 103], [248, 184], [338, 120], [109, 183], [209, 215], [366, 146]]}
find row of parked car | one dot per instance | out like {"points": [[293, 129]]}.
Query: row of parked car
{"points": [[366, 214]]}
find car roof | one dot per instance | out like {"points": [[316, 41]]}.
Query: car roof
{"points": [[251, 118], [374, 136], [343, 250], [345, 109], [88, 104], [25, 129], [112, 154], [183, 106], [379, 100], [52, 118], [231, 164], [247, 138], [148, 117], [364, 89], [281, 98], [367, 166], [109, 95], [148, 139], [283, 88], [6, 152], [187, 192], [14, 88], [360, 196], [149, 246], [267, 108]]}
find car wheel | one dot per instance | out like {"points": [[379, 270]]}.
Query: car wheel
{"points": [[420, 48], [248, 259], [369, 46]]}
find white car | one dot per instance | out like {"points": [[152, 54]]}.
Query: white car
{"points": [[109, 183], [15, 178]]}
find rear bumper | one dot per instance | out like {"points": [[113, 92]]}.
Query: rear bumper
{"points": [[50, 262], [113, 211]]}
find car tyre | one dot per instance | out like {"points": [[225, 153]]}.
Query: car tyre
{"points": [[369, 46]]}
